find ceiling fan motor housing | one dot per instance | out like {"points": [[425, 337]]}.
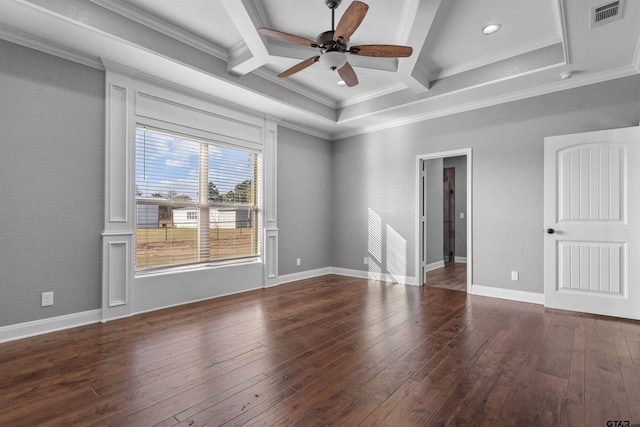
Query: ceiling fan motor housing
{"points": [[326, 41], [332, 4]]}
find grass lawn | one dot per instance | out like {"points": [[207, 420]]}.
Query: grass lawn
{"points": [[164, 247]]}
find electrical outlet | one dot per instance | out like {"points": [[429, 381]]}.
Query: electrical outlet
{"points": [[461, 215], [47, 299], [298, 262], [514, 275], [366, 260]]}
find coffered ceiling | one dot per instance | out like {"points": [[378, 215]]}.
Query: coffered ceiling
{"points": [[213, 47]]}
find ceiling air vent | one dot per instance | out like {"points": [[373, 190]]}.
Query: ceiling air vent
{"points": [[606, 13]]}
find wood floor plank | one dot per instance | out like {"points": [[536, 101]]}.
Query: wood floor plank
{"points": [[555, 358], [605, 395], [331, 350]]}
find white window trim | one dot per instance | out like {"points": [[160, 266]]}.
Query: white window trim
{"points": [[131, 100]]}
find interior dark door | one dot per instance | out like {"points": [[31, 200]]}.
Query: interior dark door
{"points": [[448, 194]]}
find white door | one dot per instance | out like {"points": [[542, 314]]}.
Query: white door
{"points": [[592, 222]]}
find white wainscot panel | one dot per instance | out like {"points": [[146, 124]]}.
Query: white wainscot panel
{"points": [[271, 248], [592, 267], [117, 161], [117, 262]]}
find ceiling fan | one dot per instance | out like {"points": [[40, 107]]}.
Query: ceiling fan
{"points": [[334, 44]]}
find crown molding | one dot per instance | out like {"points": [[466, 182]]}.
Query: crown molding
{"points": [[306, 130], [42, 45], [490, 59], [575, 82], [295, 87], [162, 26], [396, 87]]}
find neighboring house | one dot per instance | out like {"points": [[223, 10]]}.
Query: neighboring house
{"points": [[185, 217], [147, 216], [153, 215], [218, 218]]}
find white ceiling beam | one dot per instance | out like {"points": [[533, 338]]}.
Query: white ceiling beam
{"points": [[417, 18], [561, 27], [252, 53]]}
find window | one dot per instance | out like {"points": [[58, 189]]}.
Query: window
{"points": [[197, 202]]}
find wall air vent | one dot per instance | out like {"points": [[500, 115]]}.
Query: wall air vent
{"points": [[606, 13]]}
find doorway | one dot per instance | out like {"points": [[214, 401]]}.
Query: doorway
{"points": [[448, 214], [444, 219]]}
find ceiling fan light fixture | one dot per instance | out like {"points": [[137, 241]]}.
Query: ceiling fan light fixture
{"points": [[334, 44], [333, 59], [342, 83], [491, 29]]}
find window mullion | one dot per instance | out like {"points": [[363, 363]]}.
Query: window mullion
{"points": [[204, 233]]}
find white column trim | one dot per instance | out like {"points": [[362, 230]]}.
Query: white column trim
{"points": [[270, 155], [117, 236]]}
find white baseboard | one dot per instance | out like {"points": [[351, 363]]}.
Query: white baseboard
{"points": [[510, 294], [309, 274], [360, 274], [460, 259], [52, 324], [434, 265], [384, 277]]}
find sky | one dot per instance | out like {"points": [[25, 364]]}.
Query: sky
{"points": [[167, 163]]}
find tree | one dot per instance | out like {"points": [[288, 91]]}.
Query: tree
{"points": [[183, 198], [157, 195], [214, 193], [242, 193]]}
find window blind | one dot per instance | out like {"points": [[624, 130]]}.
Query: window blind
{"points": [[197, 202]]}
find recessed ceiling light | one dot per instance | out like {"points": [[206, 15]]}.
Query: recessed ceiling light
{"points": [[490, 29], [341, 83]]}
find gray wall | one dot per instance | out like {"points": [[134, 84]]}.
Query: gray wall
{"points": [[460, 165], [377, 171], [51, 184], [434, 206], [304, 193]]}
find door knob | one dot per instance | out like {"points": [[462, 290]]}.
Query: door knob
{"points": [[550, 231]]}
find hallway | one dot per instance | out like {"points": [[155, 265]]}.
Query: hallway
{"points": [[452, 276]]}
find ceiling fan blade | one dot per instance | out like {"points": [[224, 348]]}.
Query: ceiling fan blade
{"points": [[382, 50], [348, 75], [350, 21], [286, 37], [299, 67]]}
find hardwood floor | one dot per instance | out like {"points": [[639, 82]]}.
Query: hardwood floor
{"points": [[330, 351], [452, 276]]}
